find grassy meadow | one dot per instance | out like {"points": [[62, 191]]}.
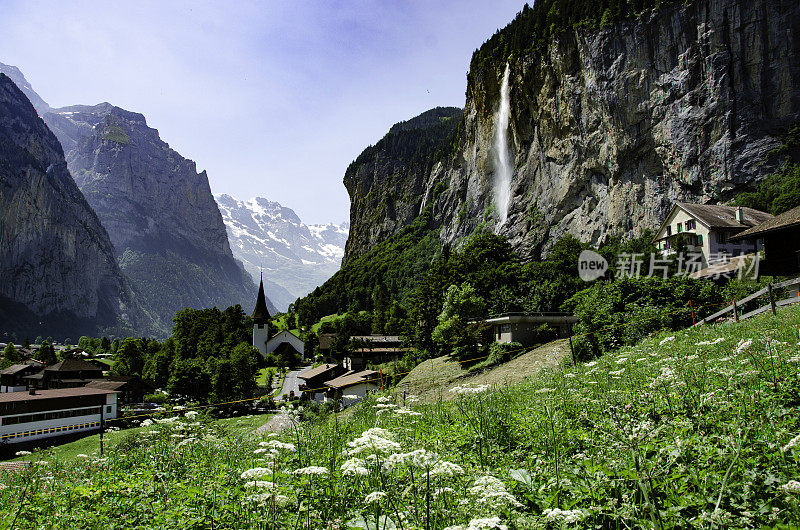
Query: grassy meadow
{"points": [[691, 429]]}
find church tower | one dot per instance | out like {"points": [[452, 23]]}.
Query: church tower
{"points": [[261, 321]]}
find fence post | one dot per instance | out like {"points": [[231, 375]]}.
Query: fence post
{"points": [[692, 310], [771, 299], [735, 311], [572, 351]]}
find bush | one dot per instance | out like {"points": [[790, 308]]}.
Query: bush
{"points": [[159, 399]]}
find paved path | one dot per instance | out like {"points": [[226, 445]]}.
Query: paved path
{"points": [[292, 383]]}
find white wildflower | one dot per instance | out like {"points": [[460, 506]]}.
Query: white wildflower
{"points": [[438, 492], [147, 423], [617, 372], [276, 444], [354, 466], [743, 345], [710, 342], [261, 484], [570, 375], [263, 498], [257, 472], [566, 516], [81, 455], [23, 453], [622, 360], [374, 497], [407, 412], [382, 406], [492, 492], [191, 415], [488, 523], [792, 486], [590, 364], [794, 442], [375, 439], [469, 389], [311, 470], [545, 390], [666, 340], [351, 397], [447, 468], [667, 375], [260, 450], [383, 399], [2, 486]]}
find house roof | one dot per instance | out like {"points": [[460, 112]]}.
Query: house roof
{"points": [[10, 397], [718, 216], [73, 365], [107, 385], [779, 222], [319, 370], [15, 369], [353, 378]]}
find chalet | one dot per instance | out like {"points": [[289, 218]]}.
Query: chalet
{"points": [[130, 389], [352, 386], [314, 379], [286, 339], [375, 349], [707, 230], [38, 415], [781, 237], [69, 373], [12, 379]]}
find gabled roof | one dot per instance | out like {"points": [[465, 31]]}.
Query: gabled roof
{"points": [[73, 365], [287, 332], [319, 370], [779, 222], [15, 369], [718, 216], [354, 378]]}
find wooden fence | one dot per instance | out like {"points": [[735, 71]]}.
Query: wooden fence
{"points": [[790, 287]]}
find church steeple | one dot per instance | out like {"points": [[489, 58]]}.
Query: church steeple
{"points": [[261, 313]]}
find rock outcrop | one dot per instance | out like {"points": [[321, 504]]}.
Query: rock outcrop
{"points": [[56, 258], [610, 126], [296, 257], [166, 227]]}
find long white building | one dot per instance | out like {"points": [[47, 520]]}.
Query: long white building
{"points": [[28, 417]]}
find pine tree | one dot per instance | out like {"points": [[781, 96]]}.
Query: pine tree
{"points": [[11, 353]]}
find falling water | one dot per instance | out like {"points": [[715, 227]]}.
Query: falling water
{"points": [[502, 174]]}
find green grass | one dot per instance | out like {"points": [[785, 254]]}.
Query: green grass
{"points": [[264, 377], [315, 327], [691, 429]]}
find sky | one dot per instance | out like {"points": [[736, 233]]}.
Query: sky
{"points": [[273, 98]]}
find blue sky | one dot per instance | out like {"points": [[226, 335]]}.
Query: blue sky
{"points": [[273, 99]]}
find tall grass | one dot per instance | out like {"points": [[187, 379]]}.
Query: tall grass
{"points": [[691, 429]]}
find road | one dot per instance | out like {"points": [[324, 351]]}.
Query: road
{"points": [[292, 382]]}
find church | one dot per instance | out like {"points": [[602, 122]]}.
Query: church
{"points": [[261, 339]]}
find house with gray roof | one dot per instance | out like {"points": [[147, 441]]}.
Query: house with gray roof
{"points": [[708, 231]]}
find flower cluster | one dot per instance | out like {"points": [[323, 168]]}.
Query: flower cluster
{"points": [[491, 492]]}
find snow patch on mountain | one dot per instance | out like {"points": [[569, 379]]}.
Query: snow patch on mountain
{"points": [[295, 257]]}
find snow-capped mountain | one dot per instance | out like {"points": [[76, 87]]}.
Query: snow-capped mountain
{"points": [[295, 257]]}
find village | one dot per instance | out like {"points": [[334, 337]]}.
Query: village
{"points": [[77, 396]]}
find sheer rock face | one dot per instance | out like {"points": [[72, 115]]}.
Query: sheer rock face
{"points": [[609, 127], [55, 256], [163, 221]]}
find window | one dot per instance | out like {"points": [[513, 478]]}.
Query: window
{"points": [[690, 224], [722, 238], [699, 240], [108, 409], [679, 227], [669, 230], [505, 328]]}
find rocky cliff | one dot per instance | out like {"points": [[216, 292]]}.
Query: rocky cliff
{"points": [[166, 227], [296, 257], [609, 125], [58, 271]]}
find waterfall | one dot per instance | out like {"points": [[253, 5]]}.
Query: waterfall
{"points": [[503, 170]]}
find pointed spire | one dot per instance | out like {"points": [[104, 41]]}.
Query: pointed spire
{"points": [[261, 313]]}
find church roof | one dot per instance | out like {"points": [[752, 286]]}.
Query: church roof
{"points": [[261, 313]]}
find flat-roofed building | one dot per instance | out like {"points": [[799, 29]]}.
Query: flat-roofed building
{"points": [[44, 414]]}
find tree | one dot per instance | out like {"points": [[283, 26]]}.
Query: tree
{"points": [[129, 358], [11, 353], [456, 333], [157, 367], [105, 345], [244, 363], [47, 354], [188, 377]]}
